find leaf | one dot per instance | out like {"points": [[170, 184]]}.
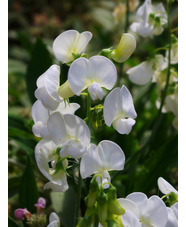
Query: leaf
{"points": [[64, 205], [40, 61], [13, 185], [28, 192], [11, 223]]}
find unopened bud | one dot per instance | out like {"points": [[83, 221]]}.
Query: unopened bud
{"points": [[22, 213], [65, 91], [125, 48], [102, 206]]}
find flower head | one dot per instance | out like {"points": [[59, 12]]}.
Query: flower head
{"points": [[54, 220], [100, 159], [22, 213], [149, 19], [119, 110], [69, 44], [95, 73]]}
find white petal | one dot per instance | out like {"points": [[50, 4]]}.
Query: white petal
{"points": [[47, 101], [140, 199], [67, 108], [53, 217], [56, 187], [129, 205], [44, 151], [73, 149], [175, 209], [90, 162], [83, 41], [156, 211], [141, 74], [39, 112], [77, 129], [161, 62], [57, 128], [64, 45], [70, 42], [51, 82], [111, 155], [54, 224], [130, 220], [103, 71], [123, 126], [79, 76], [112, 106], [95, 91], [127, 103], [165, 187], [172, 220]]}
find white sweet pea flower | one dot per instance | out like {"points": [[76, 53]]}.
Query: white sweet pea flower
{"points": [[70, 43], [100, 159], [47, 88], [47, 162], [40, 116], [152, 211], [174, 50], [95, 73], [119, 110], [54, 220], [149, 19], [125, 48], [172, 216], [145, 71], [165, 187], [70, 132]]}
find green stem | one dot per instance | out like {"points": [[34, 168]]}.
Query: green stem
{"points": [[127, 16], [78, 201], [88, 109]]}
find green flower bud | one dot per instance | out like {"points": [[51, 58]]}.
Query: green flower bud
{"points": [[37, 220], [114, 206], [102, 206], [112, 223], [173, 198], [65, 91]]}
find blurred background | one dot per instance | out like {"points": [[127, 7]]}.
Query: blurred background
{"points": [[33, 26]]}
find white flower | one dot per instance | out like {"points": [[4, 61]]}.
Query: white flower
{"points": [[165, 187], [125, 48], [152, 211], [172, 216], [149, 19], [95, 73], [54, 220], [145, 71], [174, 51], [100, 159], [40, 116], [47, 88], [119, 110], [70, 42], [70, 132], [131, 216], [45, 154]]}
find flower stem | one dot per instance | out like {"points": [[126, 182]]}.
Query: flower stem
{"points": [[78, 201], [88, 109]]}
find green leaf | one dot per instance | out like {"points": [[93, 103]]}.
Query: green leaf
{"points": [[40, 61], [13, 185], [28, 192], [11, 223]]}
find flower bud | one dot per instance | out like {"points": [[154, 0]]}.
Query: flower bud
{"points": [[112, 223], [173, 198], [41, 203], [102, 206], [125, 48], [37, 220], [65, 91], [22, 213], [114, 206]]}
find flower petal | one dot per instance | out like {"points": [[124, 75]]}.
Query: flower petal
{"points": [[172, 220], [165, 187], [103, 71], [127, 103], [77, 129], [95, 91], [68, 108], [130, 220], [90, 162], [123, 126], [83, 41], [111, 155], [129, 205], [142, 73], [78, 75], [39, 112], [57, 128], [57, 187], [112, 106]]}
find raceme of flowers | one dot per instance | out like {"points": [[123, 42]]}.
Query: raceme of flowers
{"points": [[64, 135]]}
